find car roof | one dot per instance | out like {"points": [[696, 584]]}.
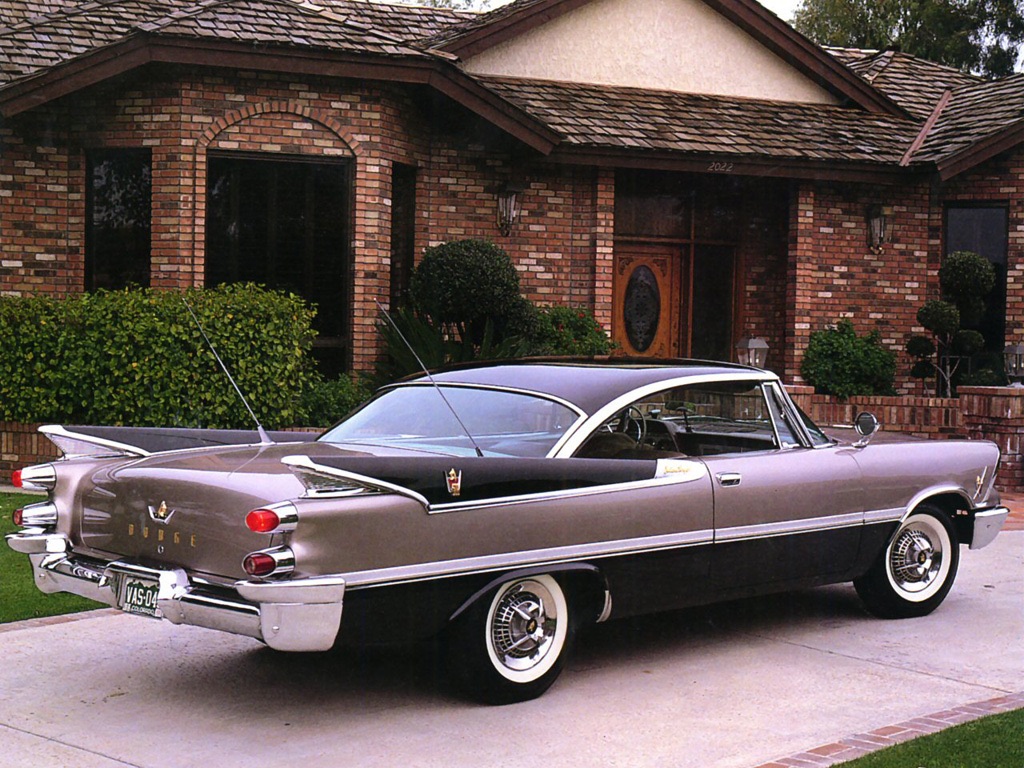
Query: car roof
{"points": [[588, 384]]}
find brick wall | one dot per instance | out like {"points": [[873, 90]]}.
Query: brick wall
{"points": [[20, 446], [563, 244], [834, 275], [928, 417]]}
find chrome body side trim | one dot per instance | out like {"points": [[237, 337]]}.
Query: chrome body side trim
{"points": [[667, 472], [884, 515], [789, 527], [987, 524], [550, 556]]}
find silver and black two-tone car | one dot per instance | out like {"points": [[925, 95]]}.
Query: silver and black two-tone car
{"points": [[503, 506]]}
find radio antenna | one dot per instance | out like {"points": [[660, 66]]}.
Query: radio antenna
{"points": [[429, 377], [264, 437]]}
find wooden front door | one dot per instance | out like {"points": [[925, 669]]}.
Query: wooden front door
{"points": [[675, 301], [645, 292]]}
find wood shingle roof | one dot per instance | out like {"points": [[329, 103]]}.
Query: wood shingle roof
{"points": [[42, 39]]}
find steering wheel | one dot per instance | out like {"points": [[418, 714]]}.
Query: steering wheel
{"points": [[633, 424]]}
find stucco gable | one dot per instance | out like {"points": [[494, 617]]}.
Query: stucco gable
{"points": [[674, 45]]}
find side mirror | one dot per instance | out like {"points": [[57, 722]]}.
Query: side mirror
{"points": [[866, 425]]}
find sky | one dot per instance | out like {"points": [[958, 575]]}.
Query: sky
{"points": [[781, 8]]}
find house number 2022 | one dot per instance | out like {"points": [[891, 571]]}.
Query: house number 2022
{"points": [[720, 167]]}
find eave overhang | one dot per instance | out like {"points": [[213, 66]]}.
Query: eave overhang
{"points": [[764, 26], [730, 165], [141, 49], [976, 154]]}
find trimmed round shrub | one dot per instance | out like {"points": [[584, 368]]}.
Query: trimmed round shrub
{"points": [[965, 274], [463, 285], [920, 346], [841, 363], [939, 317]]}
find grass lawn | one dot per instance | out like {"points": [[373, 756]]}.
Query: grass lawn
{"points": [[19, 598], [996, 741]]}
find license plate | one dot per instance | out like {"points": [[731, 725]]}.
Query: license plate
{"points": [[139, 596]]}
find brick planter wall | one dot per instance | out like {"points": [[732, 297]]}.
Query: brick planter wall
{"points": [[21, 445], [997, 414], [931, 417]]}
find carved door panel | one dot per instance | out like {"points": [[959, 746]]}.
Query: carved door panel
{"points": [[645, 292]]}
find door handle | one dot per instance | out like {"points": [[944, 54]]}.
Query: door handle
{"points": [[727, 479]]}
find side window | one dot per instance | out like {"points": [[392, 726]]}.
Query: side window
{"points": [[697, 420], [782, 416]]}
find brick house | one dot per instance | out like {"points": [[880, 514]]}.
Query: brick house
{"points": [[693, 171]]}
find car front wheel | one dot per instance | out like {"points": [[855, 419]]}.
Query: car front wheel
{"points": [[914, 573], [513, 646]]}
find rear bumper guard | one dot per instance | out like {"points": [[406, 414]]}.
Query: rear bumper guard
{"points": [[294, 615]]}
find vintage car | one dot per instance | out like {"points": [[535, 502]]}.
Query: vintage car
{"points": [[501, 507]]}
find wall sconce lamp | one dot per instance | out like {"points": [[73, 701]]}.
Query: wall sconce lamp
{"points": [[1013, 359], [752, 351], [508, 208], [878, 227]]}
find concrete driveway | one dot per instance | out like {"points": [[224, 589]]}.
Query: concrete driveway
{"points": [[739, 684]]}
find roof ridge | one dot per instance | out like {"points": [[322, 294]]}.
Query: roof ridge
{"points": [[185, 12]]}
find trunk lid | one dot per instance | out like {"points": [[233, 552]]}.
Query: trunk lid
{"points": [[187, 509]]}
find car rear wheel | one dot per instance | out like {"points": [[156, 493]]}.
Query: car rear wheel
{"points": [[512, 646], [914, 573]]}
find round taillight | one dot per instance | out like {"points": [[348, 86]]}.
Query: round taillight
{"points": [[18, 517], [259, 564], [16, 478], [262, 521]]}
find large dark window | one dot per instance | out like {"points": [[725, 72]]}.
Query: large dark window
{"points": [[983, 230], [118, 214], [283, 223]]}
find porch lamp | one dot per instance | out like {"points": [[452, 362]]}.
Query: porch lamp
{"points": [[508, 208], [1013, 359], [878, 227], [752, 351]]}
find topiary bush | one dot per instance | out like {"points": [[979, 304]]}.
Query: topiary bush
{"points": [[463, 285], [841, 363], [135, 357], [965, 278]]}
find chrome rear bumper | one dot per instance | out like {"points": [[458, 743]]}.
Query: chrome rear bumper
{"points": [[295, 615]]}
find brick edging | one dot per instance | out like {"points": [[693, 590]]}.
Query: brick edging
{"points": [[861, 744]]}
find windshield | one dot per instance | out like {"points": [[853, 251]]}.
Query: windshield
{"points": [[415, 417]]}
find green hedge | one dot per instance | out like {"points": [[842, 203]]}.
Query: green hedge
{"points": [[135, 357]]}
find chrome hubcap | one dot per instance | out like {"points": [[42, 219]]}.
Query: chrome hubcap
{"points": [[523, 626], [915, 560]]}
